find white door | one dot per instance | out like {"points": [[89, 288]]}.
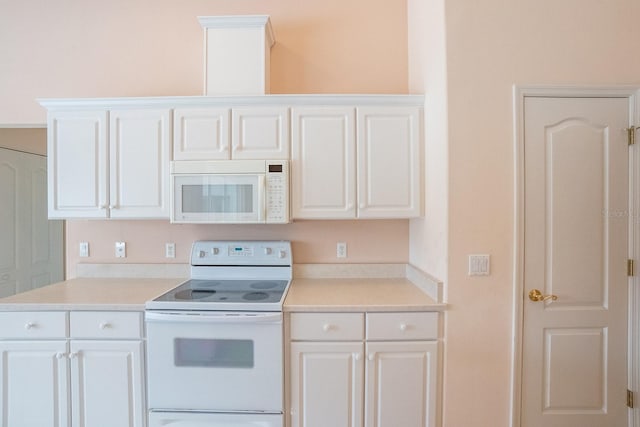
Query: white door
{"points": [[574, 367], [327, 384], [33, 383], [401, 384], [31, 246], [323, 163], [139, 149], [107, 384]]}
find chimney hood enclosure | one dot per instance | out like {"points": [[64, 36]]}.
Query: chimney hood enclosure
{"points": [[237, 54]]}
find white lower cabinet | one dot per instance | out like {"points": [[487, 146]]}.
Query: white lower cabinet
{"points": [[91, 381], [355, 370]]}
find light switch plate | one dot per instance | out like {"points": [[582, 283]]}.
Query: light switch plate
{"points": [[121, 250], [479, 265], [84, 249]]}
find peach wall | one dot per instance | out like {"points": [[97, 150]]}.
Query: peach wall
{"points": [[492, 45], [312, 241], [67, 48]]}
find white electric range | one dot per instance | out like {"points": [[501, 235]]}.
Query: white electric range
{"points": [[215, 342]]}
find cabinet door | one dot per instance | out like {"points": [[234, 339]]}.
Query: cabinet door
{"points": [[326, 384], [34, 383], [389, 162], [323, 163], [139, 142], [201, 134], [260, 133], [401, 382], [107, 384], [77, 164]]}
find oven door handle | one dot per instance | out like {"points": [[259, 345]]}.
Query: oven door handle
{"points": [[212, 317]]}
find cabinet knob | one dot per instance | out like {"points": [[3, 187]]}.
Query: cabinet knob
{"points": [[104, 325], [73, 355], [113, 206], [327, 327], [29, 325], [59, 355], [371, 356], [357, 356], [403, 327]]}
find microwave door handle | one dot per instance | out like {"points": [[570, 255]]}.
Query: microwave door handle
{"points": [[213, 317], [262, 191]]}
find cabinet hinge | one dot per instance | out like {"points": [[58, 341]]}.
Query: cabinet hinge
{"points": [[629, 399], [631, 267], [631, 134]]}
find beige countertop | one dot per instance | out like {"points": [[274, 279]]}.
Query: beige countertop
{"points": [[90, 294], [358, 295], [323, 294]]}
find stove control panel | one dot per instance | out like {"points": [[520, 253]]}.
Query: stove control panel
{"points": [[229, 253]]}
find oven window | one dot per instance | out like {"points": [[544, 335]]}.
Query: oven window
{"points": [[213, 353], [218, 198]]}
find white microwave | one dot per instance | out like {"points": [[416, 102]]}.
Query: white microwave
{"points": [[230, 191]]}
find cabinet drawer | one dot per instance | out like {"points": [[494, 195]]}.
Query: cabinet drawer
{"points": [[327, 326], [105, 324], [402, 326], [33, 324]]}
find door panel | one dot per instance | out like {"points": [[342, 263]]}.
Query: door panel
{"points": [[576, 248], [30, 244]]}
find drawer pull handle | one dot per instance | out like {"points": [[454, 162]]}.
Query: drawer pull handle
{"points": [[327, 327], [404, 327], [59, 355], [29, 325], [104, 325]]}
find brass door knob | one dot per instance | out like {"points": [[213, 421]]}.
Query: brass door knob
{"points": [[536, 296]]}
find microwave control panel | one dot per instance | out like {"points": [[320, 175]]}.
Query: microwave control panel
{"points": [[277, 188]]}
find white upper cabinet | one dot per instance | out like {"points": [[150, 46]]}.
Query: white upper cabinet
{"points": [[260, 133], [220, 133], [323, 159], [356, 162], [77, 166], [201, 133], [109, 164], [139, 142], [389, 162]]}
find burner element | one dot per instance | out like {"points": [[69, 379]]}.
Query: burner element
{"points": [[255, 296]]}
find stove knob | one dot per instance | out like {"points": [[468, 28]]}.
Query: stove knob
{"points": [[202, 254], [268, 251], [282, 254], [215, 251]]}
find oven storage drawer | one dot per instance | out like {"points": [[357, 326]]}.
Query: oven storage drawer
{"points": [[106, 324], [327, 326], [33, 324], [402, 326], [192, 419]]}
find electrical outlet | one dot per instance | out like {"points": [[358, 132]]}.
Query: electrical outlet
{"points": [[170, 250], [341, 250], [121, 250], [84, 249]]}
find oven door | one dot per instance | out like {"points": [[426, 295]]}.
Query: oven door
{"points": [[218, 198], [195, 419], [215, 361]]}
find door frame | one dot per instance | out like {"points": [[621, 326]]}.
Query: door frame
{"points": [[519, 94]]}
